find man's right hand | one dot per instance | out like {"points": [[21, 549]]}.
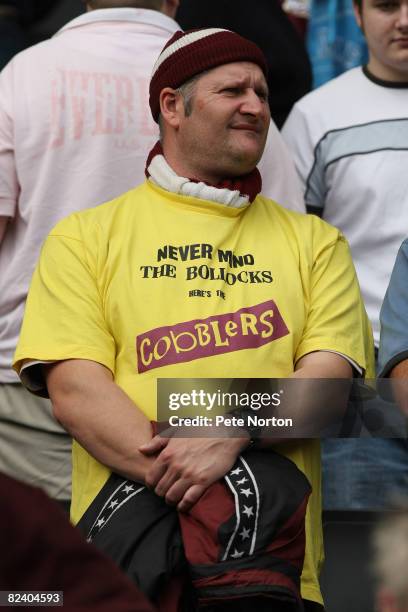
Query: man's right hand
{"points": [[185, 467]]}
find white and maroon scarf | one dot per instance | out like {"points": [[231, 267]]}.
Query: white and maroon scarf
{"points": [[237, 193]]}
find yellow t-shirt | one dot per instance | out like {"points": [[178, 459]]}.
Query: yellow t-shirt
{"points": [[154, 284]]}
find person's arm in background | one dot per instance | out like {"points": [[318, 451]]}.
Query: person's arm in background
{"points": [[400, 371], [99, 415], [393, 352]]}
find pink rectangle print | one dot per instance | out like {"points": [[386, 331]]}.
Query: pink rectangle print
{"points": [[247, 328]]}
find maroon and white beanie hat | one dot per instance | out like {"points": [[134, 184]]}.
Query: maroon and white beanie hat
{"points": [[189, 53]]}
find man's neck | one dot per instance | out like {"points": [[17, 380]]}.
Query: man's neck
{"points": [[183, 169], [386, 73]]}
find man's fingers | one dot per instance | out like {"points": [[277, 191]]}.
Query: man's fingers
{"points": [[155, 445], [176, 492], [169, 478], [156, 473], [191, 496]]}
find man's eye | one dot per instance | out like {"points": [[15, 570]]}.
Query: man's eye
{"points": [[232, 90], [387, 6], [262, 95]]}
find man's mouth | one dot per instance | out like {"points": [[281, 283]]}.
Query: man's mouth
{"points": [[247, 127]]}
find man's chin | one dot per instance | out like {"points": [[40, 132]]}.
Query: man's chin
{"points": [[245, 158], [248, 163], [240, 168]]}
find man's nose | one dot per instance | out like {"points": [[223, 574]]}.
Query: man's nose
{"points": [[252, 104], [402, 17]]}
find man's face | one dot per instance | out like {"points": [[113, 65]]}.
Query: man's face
{"points": [[225, 133], [385, 25]]}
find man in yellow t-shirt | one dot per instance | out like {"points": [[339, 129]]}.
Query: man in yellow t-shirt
{"points": [[191, 274]]}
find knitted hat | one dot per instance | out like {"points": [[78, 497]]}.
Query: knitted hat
{"points": [[194, 51]]}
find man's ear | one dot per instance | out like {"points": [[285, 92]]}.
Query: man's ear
{"points": [[357, 14], [169, 7], [171, 106]]}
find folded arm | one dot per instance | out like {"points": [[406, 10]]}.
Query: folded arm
{"points": [[99, 415], [323, 364]]}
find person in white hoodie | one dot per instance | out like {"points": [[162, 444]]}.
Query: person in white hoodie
{"points": [[74, 131]]}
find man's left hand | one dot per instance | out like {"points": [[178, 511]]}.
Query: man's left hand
{"points": [[186, 467]]}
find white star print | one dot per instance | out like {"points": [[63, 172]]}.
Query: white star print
{"points": [[100, 522], [248, 511], [236, 554], [113, 504], [247, 492], [242, 481], [245, 533], [236, 472], [128, 489]]}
